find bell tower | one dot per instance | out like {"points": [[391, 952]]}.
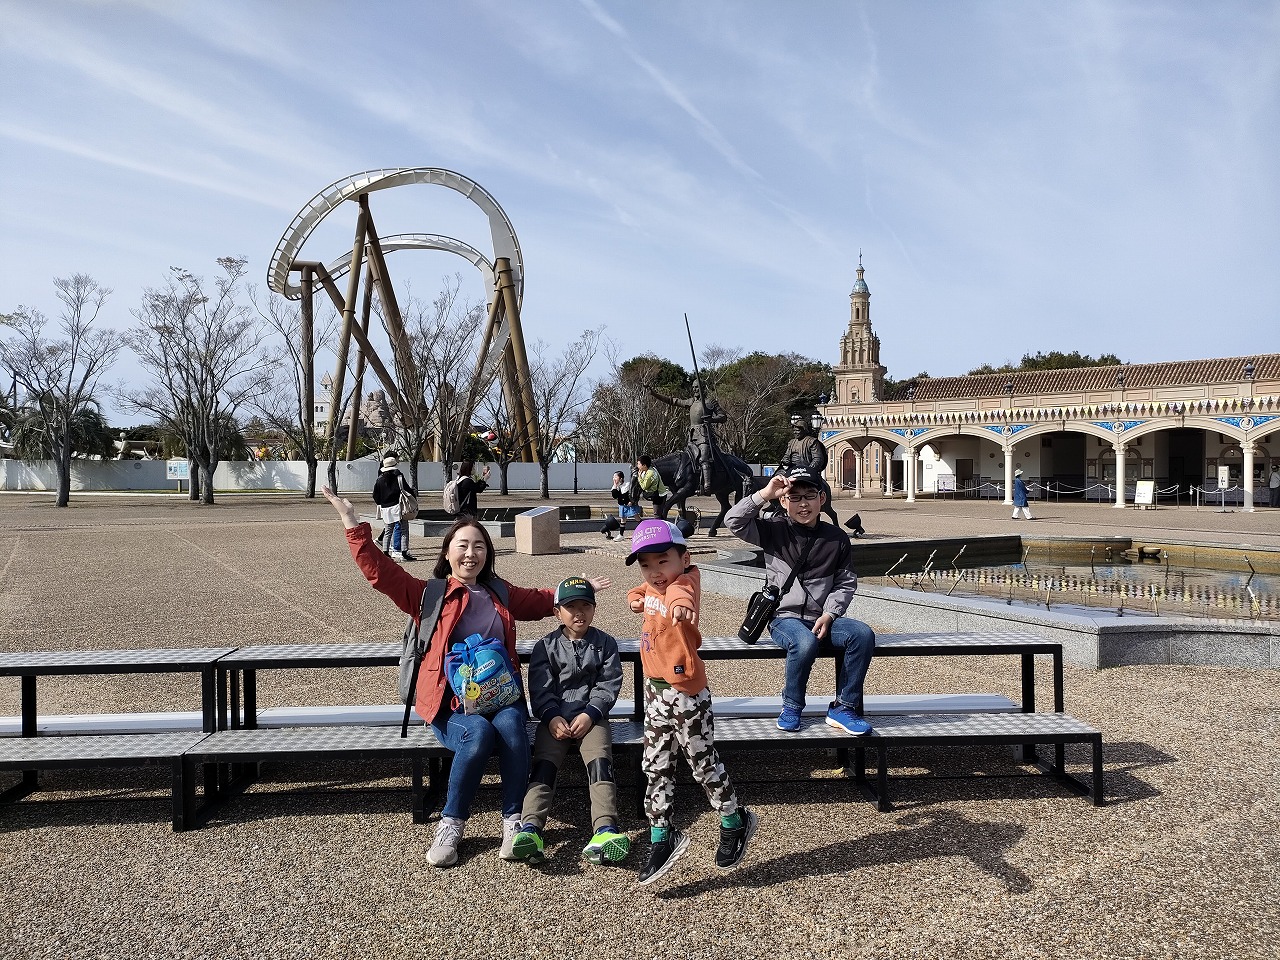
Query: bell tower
{"points": [[859, 375]]}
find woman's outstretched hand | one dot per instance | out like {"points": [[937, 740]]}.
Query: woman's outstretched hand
{"points": [[345, 510], [599, 583]]}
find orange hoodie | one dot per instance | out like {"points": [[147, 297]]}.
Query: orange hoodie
{"points": [[669, 650]]}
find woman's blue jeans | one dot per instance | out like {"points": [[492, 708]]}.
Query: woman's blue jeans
{"points": [[473, 739], [853, 641]]}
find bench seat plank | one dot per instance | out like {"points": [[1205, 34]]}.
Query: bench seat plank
{"points": [[48, 662], [390, 714], [315, 742], [18, 753]]}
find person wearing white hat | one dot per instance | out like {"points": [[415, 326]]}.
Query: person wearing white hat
{"points": [[1020, 496], [386, 494]]}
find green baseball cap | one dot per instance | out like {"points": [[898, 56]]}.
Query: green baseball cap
{"points": [[575, 588]]}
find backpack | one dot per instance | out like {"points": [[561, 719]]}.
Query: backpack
{"points": [[451, 498], [408, 502], [481, 675], [415, 646]]}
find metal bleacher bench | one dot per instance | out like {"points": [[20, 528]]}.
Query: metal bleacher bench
{"points": [[229, 735]]}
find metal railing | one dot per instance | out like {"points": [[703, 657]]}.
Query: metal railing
{"points": [[1048, 585]]}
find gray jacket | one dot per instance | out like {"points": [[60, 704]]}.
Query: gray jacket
{"points": [[569, 677], [827, 583]]}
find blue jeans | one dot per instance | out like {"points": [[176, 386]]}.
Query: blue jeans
{"points": [[853, 641], [399, 535], [473, 739]]}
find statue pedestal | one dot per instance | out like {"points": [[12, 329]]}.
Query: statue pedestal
{"points": [[538, 531]]}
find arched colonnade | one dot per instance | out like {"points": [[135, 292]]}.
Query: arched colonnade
{"points": [[1118, 451]]}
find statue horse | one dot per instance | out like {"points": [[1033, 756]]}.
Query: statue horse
{"points": [[680, 473]]}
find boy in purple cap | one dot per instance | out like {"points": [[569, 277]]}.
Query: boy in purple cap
{"points": [[677, 703]]}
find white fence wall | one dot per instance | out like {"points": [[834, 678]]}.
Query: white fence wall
{"points": [[85, 475], [356, 475]]}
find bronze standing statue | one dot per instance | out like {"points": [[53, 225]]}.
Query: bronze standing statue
{"points": [[804, 449]]}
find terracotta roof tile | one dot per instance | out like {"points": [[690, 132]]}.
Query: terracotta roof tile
{"points": [[1079, 379]]}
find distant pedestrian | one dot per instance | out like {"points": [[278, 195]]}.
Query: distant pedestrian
{"points": [[1273, 486], [651, 486], [627, 493], [386, 494], [470, 487], [1020, 496]]}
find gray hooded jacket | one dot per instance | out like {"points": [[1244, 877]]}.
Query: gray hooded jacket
{"points": [[569, 677], [827, 583]]}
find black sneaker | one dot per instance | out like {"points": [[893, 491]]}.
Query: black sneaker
{"points": [[663, 856], [733, 843], [408, 556]]}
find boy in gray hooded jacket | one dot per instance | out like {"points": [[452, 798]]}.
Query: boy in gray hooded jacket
{"points": [[575, 675]]}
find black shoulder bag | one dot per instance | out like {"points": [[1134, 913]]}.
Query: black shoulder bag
{"points": [[764, 603]]}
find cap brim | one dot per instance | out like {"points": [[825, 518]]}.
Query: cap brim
{"points": [[651, 548]]}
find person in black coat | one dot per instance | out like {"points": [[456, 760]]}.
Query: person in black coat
{"points": [[386, 494], [469, 488]]}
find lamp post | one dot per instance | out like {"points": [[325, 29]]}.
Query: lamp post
{"points": [[575, 468]]}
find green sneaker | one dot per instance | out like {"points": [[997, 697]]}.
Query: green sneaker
{"points": [[528, 845], [607, 846]]}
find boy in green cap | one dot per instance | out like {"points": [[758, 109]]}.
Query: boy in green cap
{"points": [[575, 675]]}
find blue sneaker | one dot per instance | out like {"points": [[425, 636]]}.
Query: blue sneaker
{"points": [[789, 719], [842, 718]]}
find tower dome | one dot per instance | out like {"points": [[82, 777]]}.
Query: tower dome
{"points": [[860, 285]]}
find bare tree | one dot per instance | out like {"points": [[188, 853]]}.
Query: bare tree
{"points": [[204, 354], [510, 438], [623, 419], [441, 345], [61, 377], [560, 395], [715, 358], [283, 405], [756, 391]]}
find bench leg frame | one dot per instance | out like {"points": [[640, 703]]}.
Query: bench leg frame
{"points": [[28, 785], [879, 794]]}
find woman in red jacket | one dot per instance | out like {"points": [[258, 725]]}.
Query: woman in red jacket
{"points": [[471, 605]]}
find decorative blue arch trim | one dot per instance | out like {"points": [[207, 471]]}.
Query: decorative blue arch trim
{"points": [[1118, 426], [828, 434], [1246, 423], [1008, 429], [908, 432]]}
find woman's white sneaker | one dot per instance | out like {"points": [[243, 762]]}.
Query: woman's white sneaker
{"points": [[444, 849], [509, 830]]}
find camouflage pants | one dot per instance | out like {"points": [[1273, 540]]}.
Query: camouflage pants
{"points": [[675, 721]]}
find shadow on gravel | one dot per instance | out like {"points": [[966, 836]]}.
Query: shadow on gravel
{"points": [[1120, 760], [932, 835]]}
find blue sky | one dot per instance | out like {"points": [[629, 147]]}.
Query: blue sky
{"points": [[1019, 176]]}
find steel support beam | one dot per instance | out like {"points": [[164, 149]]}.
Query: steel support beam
{"points": [[348, 321]]}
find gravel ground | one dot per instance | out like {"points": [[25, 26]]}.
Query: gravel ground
{"points": [[325, 861]]}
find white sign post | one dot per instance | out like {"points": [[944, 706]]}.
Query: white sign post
{"points": [[1224, 481]]}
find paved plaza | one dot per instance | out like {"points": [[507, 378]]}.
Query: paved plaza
{"points": [[327, 863]]}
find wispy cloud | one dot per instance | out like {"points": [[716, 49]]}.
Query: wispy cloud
{"points": [[31, 38], [183, 176], [602, 18]]}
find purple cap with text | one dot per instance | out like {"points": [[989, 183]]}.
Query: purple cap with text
{"points": [[654, 536]]}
